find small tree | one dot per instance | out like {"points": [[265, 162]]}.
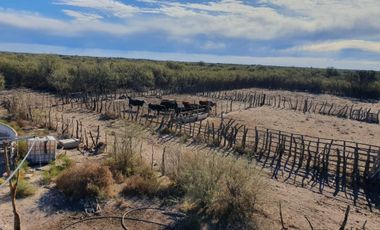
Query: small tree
{"points": [[12, 187]]}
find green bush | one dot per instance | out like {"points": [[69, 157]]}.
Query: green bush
{"points": [[25, 189], [55, 168]]}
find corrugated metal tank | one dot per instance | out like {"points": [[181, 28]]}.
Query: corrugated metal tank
{"points": [[6, 133]]}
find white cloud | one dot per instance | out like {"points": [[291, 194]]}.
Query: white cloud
{"points": [[334, 46], [82, 16], [213, 45], [114, 7], [270, 19], [263, 20], [31, 21]]}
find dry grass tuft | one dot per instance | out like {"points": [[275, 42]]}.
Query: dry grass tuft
{"points": [[149, 186], [123, 159], [25, 189], [85, 180], [138, 185], [221, 188]]}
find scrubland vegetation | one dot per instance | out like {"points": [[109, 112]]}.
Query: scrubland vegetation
{"points": [[217, 187], [209, 188], [66, 74]]}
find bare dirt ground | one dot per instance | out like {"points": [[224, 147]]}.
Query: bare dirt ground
{"points": [[308, 124], [324, 211], [375, 105]]}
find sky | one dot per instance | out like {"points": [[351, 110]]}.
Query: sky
{"points": [[308, 33]]}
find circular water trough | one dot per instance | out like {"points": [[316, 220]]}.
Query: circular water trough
{"points": [[6, 133]]}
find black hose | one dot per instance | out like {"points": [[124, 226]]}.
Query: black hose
{"points": [[113, 217], [124, 217], [134, 210]]}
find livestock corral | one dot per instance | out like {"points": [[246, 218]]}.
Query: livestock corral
{"points": [[322, 143]]}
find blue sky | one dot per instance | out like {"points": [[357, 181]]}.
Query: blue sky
{"points": [[317, 33]]}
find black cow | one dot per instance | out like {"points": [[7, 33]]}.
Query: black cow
{"points": [[169, 104], [135, 102], [208, 103], [156, 107]]}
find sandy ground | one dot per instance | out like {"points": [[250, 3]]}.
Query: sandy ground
{"points": [[308, 124], [375, 105]]}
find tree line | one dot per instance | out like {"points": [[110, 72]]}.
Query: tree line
{"points": [[67, 74]]}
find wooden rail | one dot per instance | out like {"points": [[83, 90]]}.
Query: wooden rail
{"points": [[305, 105]]}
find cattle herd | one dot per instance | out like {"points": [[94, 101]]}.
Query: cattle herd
{"points": [[170, 105]]}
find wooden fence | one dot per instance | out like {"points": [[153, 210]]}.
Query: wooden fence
{"points": [[305, 105]]}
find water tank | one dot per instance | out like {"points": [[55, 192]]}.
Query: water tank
{"points": [[43, 151], [6, 133]]}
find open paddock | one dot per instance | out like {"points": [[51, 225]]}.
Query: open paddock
{"points": [[308, 124]]}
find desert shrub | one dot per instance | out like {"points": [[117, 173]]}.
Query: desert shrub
{"points": [[221, 188], [123, 159], [151, 186], [25, 189], [138, 185], [1, 181], [85, 180], [56, 167]]}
